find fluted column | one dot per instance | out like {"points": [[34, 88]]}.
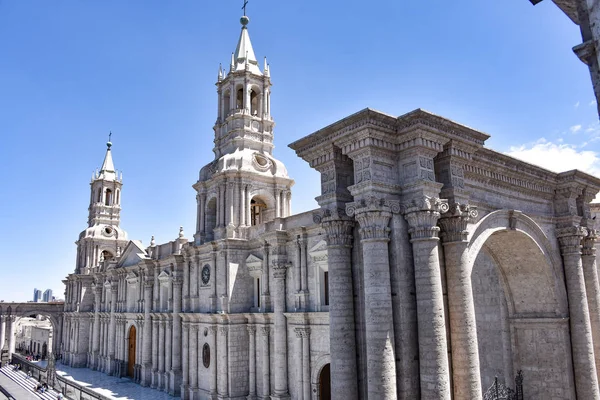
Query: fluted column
{"points": [[96, 330], [185, 361], [265, 295], [422, 218], [374, 216], [247, 209], [112, 327], [251, 362], [223, 367], [304, 387], [193, 358], [281, 381], [186, 286], [277, 203], [213, 361], [463, 331], [266, 361], [342, 339], [175, 380], [592, 288], [161, 352], [586, 379], [155, 347], [147, 344], [168, 348]]}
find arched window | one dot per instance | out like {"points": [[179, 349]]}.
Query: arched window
{"points": [[118, 197], [239, 99], [254, 102], [210, 219], [106, 255], [99, 195], [108, 199], [257, 208], [226, 104]]}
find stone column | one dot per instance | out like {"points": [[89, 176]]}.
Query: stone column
{"points": [[281, 379], [463, 330], [342, 339], [304, 335], [112, 328], [11, 334], [277, 203], [266, 361], [186, 286], [247, 209], [3, 332], [193, 359], [422, 216], [147, 344], [251, 362], [168, 345], [175, 378], [184, 362], [223, 367], [374, 216], [265, 295], [592, 288], [96, 330], [586, 379], [155, 347], [213, 361], [161, 352]]}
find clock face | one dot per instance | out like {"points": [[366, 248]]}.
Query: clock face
{"points": [[205, 274]]}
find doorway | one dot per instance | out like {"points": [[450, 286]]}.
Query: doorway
{"points": [[325, 383], [131, 358]]}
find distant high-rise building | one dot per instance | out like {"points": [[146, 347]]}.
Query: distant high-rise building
{"points": [[37, 295], [47, 295]]}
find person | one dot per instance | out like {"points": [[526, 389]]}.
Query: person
{"points": [[60, 397], [28, 374]]}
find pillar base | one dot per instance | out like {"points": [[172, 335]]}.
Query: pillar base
{"points": [[175, 377], [183, 389], [280, 397], [146, 378]]}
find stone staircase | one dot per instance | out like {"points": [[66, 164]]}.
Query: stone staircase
{"points": [[29, 384]]}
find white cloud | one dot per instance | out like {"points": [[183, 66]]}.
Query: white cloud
{"points": [[576, 105], [558, 157], [575, 128], [593, 103]]}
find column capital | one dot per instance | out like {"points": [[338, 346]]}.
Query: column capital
{"points": [[570, 238], [213, 330], [265, 330], [588, 243], [454, 222], [223, 330], [373, 215], [279, 269], [422, 214], [251, 330], [302, 332]]}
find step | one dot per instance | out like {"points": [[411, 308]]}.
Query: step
{"points": [[28, 383]]}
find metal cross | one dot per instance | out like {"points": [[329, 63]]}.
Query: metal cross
{"points": [[109, 135], [244, 7]]}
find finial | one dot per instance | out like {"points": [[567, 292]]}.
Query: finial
{"points": [[108, 144], [181, 234], [220, 76], [244, 20], [232, 65], [152, 242]]}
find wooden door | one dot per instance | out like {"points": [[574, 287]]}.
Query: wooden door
{"points": [[131, 358]]}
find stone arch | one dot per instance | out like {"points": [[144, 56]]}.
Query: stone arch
{"points": [[267, 204], [54, 316], [520, 303], [255, 100], [210, 216], [315, 372]]}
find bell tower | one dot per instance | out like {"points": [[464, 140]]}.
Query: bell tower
{"points": [[244, 185], [104, 238]]}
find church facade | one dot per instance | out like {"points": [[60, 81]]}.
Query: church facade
{"points": [[432, 265]]}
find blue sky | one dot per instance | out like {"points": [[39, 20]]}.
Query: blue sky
{"points": [[71, 71]]}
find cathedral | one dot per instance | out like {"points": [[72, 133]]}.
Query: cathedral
{"points": [[432, 265]]}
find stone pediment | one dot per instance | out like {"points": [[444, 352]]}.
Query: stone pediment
{"points": [[254, 265], [318, 252], [132, 277], [133, 254], [164, 276]]}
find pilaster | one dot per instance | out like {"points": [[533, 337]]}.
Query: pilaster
{"points": [[592, 288]]}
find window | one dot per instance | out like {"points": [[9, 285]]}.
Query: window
{"points": [[108, 200], [226, 104], [257, 293], [239, 99], [257, 208], [325, 288], [254, 102]]}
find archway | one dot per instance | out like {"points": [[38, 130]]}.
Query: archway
{"points": [[520, 305], [131, 356], [325, 383]]}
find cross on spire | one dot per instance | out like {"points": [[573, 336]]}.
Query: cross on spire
{"points": [[244, 7], [109, 135]]}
